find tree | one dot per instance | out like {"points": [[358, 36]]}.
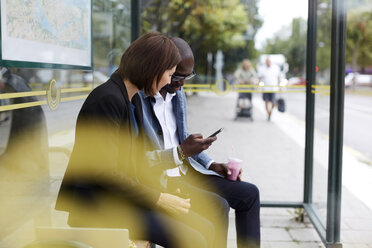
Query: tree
{"points": [[359, 38], [208, 26], [324, 30], [292, 45], [248, 50], [211, 23], [358, 34]]}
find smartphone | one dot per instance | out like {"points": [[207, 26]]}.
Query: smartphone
{"points": [[215, 133]]}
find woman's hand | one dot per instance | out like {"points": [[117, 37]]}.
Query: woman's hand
{"points": [[173, 204]]}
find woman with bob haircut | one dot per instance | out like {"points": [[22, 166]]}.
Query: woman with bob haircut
{"points": [[101, 186]]}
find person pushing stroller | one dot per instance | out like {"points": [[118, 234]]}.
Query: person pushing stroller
{"points": [[245, 74]]}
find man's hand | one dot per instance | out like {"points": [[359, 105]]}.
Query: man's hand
{"points": [[224, 170], [195, 144], [239, 178], [220, 168], [173, 204]]}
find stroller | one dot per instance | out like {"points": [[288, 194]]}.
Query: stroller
{"points": [[242, 108]]}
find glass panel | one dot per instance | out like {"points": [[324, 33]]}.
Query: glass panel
{"points": [[227, 93], [36, 141], [357, 153], [222, 34], [322, 101], [111, 36], [5, 117]]}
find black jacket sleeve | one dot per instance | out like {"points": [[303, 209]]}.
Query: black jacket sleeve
{"points": [[103, 156]]}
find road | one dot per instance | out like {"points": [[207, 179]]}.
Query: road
{"points": [[357, 119]]}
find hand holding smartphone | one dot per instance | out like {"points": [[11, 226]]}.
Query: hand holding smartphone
{"points": [[215, 133], [195, 143]]}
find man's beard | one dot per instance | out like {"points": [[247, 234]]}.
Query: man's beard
{"points": [[171, 88]]}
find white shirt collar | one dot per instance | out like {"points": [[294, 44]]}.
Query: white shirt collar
{"points": [[168, 97]]}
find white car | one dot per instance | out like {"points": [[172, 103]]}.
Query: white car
{"points": [[360, 79]]}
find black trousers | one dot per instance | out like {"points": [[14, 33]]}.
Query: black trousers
{"points": [[241, 196]]}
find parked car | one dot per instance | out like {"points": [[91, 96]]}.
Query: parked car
{"points": [[296, 81], [360, 79]]}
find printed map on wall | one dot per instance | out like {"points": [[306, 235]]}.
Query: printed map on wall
{"points": [[46, 31]]}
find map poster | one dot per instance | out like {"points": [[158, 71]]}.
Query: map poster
{"points": [[46, 33]]}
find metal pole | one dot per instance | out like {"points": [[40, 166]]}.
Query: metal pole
{"points": [[276, 204], [336, 123], [135, 19], [310, 100]]}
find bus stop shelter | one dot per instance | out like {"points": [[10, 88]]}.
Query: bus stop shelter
{"points": [[72, 95], [329, 230]]}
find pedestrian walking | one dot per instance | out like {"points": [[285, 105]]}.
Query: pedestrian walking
{"points": [[270, 76]]}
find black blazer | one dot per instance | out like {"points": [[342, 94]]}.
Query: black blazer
{"points": [[107, 156]]}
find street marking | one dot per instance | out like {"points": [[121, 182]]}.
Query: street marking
{"points": [[358, 107]]}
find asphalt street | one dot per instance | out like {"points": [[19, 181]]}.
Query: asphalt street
{"points": [[357, 119]]}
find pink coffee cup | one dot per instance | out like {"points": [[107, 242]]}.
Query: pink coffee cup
{"points": [[234, 165]]}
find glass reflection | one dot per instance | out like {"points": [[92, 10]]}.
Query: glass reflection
{"points": [[35, 142]]}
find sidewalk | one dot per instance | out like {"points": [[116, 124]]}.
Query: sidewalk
{"points": [[273, 155]]}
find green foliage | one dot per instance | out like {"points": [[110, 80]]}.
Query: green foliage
{"points": [[359, 38], [233, 56], [208, 26], [358, 34], [219, 27], [324, 26], [292, 45], [211, 24], [111, 31]]}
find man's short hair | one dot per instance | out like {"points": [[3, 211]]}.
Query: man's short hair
{"points": [[146, 59], [183, 47]]}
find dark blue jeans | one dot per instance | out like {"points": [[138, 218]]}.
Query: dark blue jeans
{"points": [[242, 196]]}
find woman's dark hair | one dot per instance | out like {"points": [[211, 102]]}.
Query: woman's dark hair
{"points": [[146, 59]]}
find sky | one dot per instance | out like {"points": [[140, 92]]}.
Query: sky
{"points": [[277, 14]]}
